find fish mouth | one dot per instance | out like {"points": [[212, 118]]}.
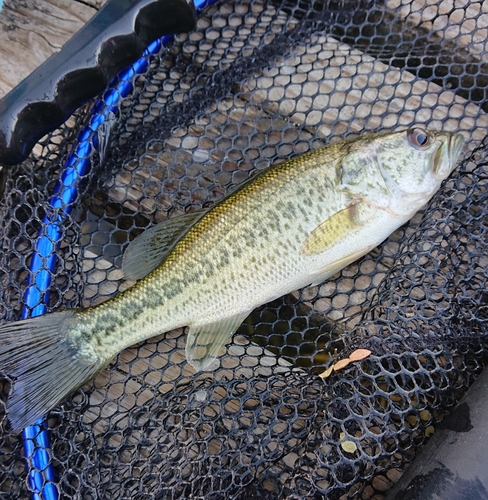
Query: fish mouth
{"points": [[447, 156]]}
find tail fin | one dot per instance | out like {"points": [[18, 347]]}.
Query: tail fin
{"points": [[44, 367]]}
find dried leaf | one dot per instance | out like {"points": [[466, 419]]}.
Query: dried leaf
{"points": [[341, 364], [359, 354], [327, 372]]}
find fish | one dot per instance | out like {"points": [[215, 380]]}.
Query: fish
{"points": [[294, 224]]}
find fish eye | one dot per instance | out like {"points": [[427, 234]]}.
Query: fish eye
{"points": [[419, 138]]}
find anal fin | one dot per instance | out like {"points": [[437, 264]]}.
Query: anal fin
{"points": [[205, 341]]}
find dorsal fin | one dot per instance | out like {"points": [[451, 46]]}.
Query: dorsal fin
{"points": [[148, 250]]}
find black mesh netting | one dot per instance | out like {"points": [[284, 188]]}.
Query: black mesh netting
{"points": [[255, 83]]}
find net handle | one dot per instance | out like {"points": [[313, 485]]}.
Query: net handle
{"points": [[113, 39]]}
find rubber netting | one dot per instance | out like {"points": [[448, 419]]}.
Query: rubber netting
{"points": [[257, 82]]}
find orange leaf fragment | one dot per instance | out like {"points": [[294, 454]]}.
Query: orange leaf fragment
{"points": [[359, 354], [341, 364]]}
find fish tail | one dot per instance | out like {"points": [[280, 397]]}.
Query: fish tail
{"points": [[42, 364]]}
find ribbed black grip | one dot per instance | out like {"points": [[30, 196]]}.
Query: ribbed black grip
{"points": [[114, 38]]}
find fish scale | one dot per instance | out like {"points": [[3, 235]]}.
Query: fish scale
{"points": [[295, 224]]}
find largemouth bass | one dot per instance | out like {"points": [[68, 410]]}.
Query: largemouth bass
{"points": [[292, 225]]}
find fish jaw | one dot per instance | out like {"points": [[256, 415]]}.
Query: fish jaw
{"points": [[429, 167]]}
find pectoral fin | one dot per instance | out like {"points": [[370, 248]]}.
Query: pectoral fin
{"points": [[331, 230], [148, 250], [204, 342]]}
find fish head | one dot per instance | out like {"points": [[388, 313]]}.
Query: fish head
{"points": [[400, 171]]}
